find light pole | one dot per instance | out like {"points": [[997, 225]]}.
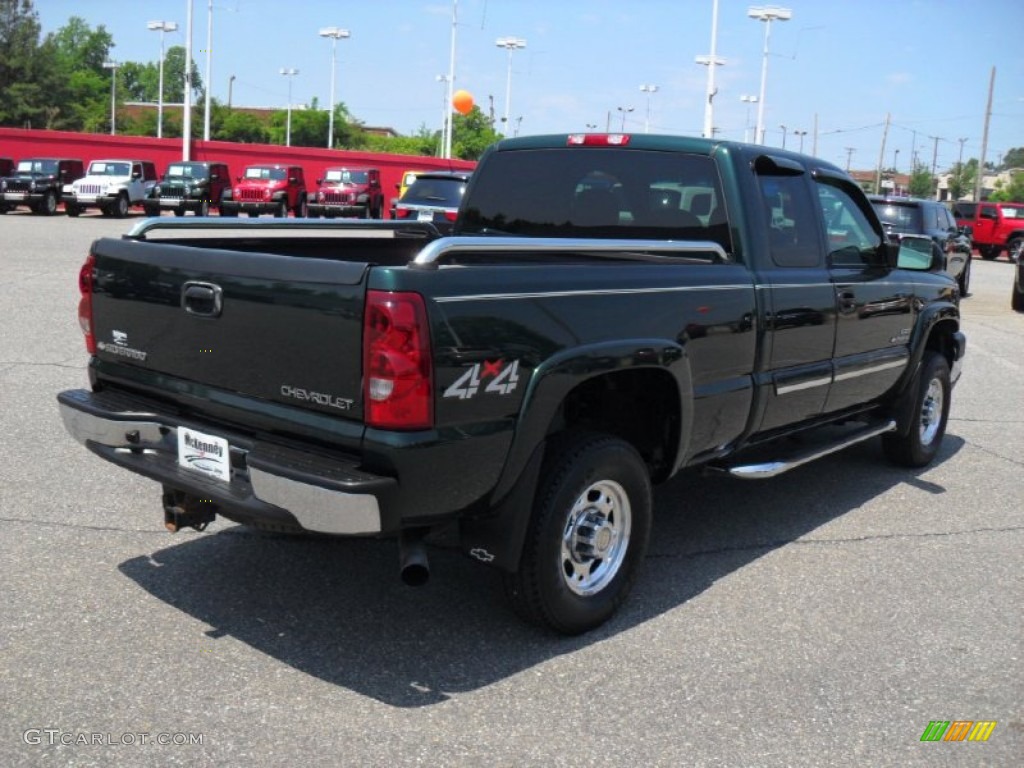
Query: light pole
{"points": [[648, 89], [112, 66], [624, 111], [767, 15], [783, 136], [289, 73], [748, 100], [801, 134], [445, 109], [336, 34], [209, 69], [510, 44], [711, 61], [163, 27]]}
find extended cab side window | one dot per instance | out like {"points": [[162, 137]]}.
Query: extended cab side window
{"points": [[852, 240], [790, 221]]}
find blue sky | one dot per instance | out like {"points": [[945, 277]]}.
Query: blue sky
{"points": [[846, 62]]}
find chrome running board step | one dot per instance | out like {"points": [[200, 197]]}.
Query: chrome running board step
{"points": [[764, 470]]}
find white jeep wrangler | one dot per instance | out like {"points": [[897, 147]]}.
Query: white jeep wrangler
{"points": [[113, 186]]}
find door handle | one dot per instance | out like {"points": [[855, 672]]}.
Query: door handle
{"points": [[203, 299], [847, 301]]}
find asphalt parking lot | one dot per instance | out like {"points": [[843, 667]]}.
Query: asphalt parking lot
{"points": [[824, 617]]}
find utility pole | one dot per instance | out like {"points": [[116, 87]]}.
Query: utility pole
{"points": [[984, 138], [881, 156], [849, 154]]}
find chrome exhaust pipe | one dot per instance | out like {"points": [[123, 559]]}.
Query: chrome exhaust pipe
{"points": [[414, 568]]}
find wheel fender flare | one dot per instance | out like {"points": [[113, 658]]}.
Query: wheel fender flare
{"points": [[549, 385], [942, 318]]}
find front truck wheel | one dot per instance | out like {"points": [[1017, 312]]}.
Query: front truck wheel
{"points": [[587, 535], [927, 416]]}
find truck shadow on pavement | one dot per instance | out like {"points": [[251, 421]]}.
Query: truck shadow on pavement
{"points": [[335, 608]]}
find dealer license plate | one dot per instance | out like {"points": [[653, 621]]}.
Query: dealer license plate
{"points": [[425, 216], [208, 454]]}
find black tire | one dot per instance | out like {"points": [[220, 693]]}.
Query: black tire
{"points": [[71, 209], [119, 208], [229, 213], [1017, 297], [594, 496], [301, 210], [254, 214], [281, 211], [1014, 247], [965, 279], [204, 208], [928, 414], [988, 252], [48, 205], [179, 211]]}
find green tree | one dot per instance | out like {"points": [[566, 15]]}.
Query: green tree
{"points": [[1010, 193], [1014, 158], [77, 87], [238, 126], [961, 180], [472, 134], [140, 82], [174, 77], [23, 68], [922, 183]]}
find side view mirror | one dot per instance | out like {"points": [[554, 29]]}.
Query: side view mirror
{"points": [[292, 180], [966, 230], [319, 182], [919, 254]]}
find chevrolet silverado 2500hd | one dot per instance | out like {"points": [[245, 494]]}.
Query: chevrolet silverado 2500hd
{"points": [[609, 310]]}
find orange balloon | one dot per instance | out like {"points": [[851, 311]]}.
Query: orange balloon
{"points": [[463, 102]]}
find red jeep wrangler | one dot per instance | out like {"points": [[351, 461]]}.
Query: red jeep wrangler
{"points": [[997, 227], [274, 189], [348, 192]]}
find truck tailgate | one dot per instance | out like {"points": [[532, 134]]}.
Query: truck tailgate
{"points": [[281, 328]]}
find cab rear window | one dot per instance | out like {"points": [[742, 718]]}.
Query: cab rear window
{"points": [[599, 192]]}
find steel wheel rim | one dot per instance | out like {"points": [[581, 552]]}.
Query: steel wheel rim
{"points": [[595, 538], [931, 411]]}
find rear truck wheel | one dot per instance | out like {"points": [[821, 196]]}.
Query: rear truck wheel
{"points": [[204, 208], [965, 279], [179, 211], [71, 209], [927, 416], [1014, 247], [987, 252], [119, 208], [587, 535], [48, 206], [254, 214], [302, 209], [1017, 297]]}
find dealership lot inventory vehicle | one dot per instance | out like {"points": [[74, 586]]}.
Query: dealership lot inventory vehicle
{"points": [[37, 182], [189, 186], [275, 189], [610, 310], [912, 216], [348, 192], [433, 197], [113, 186]]}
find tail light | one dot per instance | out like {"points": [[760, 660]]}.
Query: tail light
{"points": [[403, 213], [451, 215], [85, 303], [397, 368]]}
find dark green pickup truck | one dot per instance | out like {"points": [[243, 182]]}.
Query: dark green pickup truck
{"points": [[609, 310]]}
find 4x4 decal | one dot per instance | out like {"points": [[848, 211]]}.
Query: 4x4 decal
{"points": [[503, 379]]}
